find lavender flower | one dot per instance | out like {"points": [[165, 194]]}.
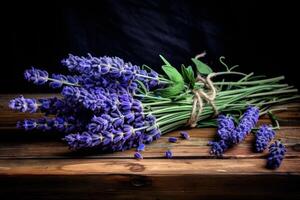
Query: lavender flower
{"points": [[225, 127], [84, 140], [110, 136], [152, 135], [101, 123], [168, 154], [138, 155], [218, 147], [39, 124], [74, 93], [36, 76], [23, 105], [27, 124], [61, 124], [113, 69], [184, 135], [172, 139], [276, 154], [230, 135], [247, 122], [262, 137]]}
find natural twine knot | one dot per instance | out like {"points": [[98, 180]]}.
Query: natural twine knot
{"points": [[199, 94]]}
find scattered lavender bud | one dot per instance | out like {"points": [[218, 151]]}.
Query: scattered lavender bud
{"points": [[172, 139], [169, 154], [138, 155], [184, 135]]}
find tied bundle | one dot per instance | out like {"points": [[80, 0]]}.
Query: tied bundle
{"points": [[112, 105]]}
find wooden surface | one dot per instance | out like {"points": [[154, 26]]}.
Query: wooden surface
{"points": [[37, 165]]}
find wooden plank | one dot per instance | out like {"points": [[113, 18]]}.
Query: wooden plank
{"points": [[148, 179], [164, 167], [196, 147], [128, 186]]}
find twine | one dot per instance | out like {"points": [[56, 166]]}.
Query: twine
{"points": [[199, 94]]}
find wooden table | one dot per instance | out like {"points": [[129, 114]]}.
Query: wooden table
{"points": [[37, 165]]}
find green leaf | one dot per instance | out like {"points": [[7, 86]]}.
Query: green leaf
{"points": [[165, 60], [202, 68], [173, 74], [178, 83], [188, 75], [191, 75], [171, 91]]}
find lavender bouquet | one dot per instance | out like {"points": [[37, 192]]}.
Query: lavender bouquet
{"points": [[112, 105]]}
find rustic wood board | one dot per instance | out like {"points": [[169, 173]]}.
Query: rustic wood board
{"points": [[38, 165]]}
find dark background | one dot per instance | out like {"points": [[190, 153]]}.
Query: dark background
{"points": [[259, 37]]}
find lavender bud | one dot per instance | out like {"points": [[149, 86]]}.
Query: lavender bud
{"points": [[184, 135], [172, 139], [169, 154], [138, 155], [141, 147], [36, 76]]}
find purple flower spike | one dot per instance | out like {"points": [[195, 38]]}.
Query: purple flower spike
{"points": [[169, 154], [27, 124], [184, 135], [172, 139], [83, 140], [23, 105], [36, 76], [246, 124], [218, 148], [262, 137], [276, 154], [225, 127], [138, 155]]}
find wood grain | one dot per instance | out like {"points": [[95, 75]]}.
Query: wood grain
{"points": [[38, 165]]}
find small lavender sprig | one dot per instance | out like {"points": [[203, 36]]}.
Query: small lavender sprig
{"points": [[40, 77], [61, 124], [230, 135], [246, 124], [263, 137], [218, 147], [276, 154], [23, 105], [36, 76], [225, 127]]}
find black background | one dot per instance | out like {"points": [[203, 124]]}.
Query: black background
{"points": [[259, 37]]}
